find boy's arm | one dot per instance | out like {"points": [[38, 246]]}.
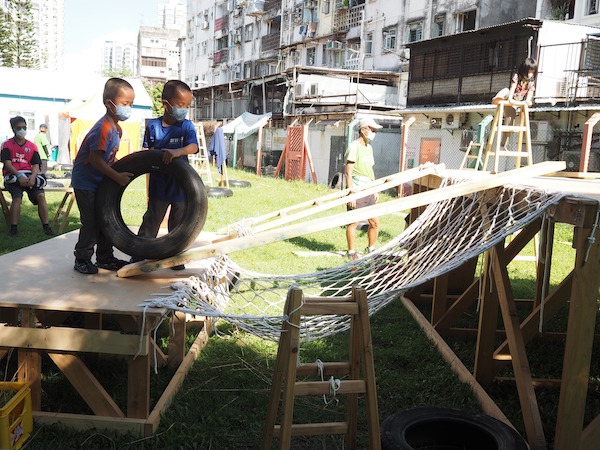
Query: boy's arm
{"points": [[122, 178], [170, 154]]}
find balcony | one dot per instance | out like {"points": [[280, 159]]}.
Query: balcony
{"points": [[270, 42], [222, 24], [220, 56]]}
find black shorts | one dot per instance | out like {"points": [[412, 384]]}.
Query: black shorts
{"points": [[364, 201], [16, 191]]}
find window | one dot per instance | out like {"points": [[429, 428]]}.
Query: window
{"points": [[369, 44], [415, 31], [311, 55], [389, 39], [204, 47], [593, 7], [466, 21], [438, 25], [248, 32]]}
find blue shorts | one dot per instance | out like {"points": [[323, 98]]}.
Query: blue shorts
{"points": [[16, 191]]}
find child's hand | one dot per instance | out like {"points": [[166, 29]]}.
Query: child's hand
{"points": [[123, 178], [169, 155]]}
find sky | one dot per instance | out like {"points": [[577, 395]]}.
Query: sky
{"points": [[87, 24]]}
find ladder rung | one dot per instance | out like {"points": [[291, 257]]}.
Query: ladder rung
{"points": [[329, 368], [314, 429], [512, 128], [473, 156], [510, 153], [322, 387], [325, 308]]}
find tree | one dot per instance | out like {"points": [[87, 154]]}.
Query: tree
{"points": [[123, 72], [17, 35], [155, 92], [24, 43]]}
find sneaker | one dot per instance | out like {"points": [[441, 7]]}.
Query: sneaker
{"points": [[85, 267], [178, 267], [352, 255], [111, 263], [48, 231], [369, 250], [13, 232]]}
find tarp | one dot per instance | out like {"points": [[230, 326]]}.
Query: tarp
{"points": [[246, 124]]}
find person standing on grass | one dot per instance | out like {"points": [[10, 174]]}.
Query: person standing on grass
{"points": [[359, 171], [175, 136], [522, 87], [41, 140], [93, 162], [21, 170]]}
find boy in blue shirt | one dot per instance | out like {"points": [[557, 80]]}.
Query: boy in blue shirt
{"points": [[92, 163], [176, 137]]}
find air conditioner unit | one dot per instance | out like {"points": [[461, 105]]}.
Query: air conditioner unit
{"points": [[299, 90], [205, 25], [230, 5], [205, 12], [335, 45], [237, 11], [211, 55], [541, 131], [451, 121], [314, 89]]}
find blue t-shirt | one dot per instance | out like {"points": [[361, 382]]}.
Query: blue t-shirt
{"points": [[158, 136], [104, 137]]}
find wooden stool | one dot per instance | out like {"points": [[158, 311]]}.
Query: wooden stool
{"points": [[287, 370], [498, 128]]}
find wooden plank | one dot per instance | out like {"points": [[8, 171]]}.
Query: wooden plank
{"points": [[486, 331], [580, 337], [325, 308], [485, 401], [329, 368], [303, 388], [169, 393], [138, 387], [74, 340], [314, 429], [177, 339], [527, 398], [86, 422], [86, 384], [439, 305], [591, 435], [324, 223]]}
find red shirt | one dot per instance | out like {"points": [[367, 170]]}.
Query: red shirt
{"points": [[22, 156]]}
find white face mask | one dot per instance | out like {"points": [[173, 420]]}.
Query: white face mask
{"points": [[21, 133], [369, 135]]}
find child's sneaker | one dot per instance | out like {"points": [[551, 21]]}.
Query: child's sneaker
{"points": [[352, 255], [48, 231], [85, 266], [369, 250], [111, 263], [13, 232]]}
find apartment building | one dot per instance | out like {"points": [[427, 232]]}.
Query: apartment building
{"points": [[118, 56], [159, 53]]}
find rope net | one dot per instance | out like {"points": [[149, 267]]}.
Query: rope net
{"points": [[446, 235]]}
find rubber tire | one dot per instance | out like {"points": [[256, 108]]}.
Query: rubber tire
{"points": [[336, 181], [239, 183], [448, 428], [108, 207], [219, 192]]}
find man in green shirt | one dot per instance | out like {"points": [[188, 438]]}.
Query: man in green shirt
{"points": [[359, 171], [41, 140]]}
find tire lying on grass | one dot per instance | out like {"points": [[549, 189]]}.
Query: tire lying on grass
{"points": [[219, 192], [239, 183], [432, 427], [108, 207]]}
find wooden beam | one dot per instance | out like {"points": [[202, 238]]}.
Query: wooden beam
{"points": [[177, 326], [583, 310], [74, 340], [86, 422], [527, 398], [138, 387], [356, 215], [86, 385], [591, 435]]}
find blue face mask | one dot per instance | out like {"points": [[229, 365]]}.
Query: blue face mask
{"points": [[122, 112], [177, 113]]}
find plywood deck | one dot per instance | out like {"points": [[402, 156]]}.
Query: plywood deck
{"points": [[41, 276]]}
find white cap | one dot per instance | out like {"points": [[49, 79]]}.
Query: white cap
{"points": [[368, 123]]}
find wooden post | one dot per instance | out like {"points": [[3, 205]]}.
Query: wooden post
{"points": [[259, 151], [403, 146], [586, 142]]}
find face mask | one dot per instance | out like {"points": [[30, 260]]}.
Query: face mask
{"points": [[178, 113], [122, 112], [369, 135], [21, 133]]}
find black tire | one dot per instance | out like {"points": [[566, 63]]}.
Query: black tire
{"points": [[108, 207], [336, 181], [219, 192], [239, 183], [447, 428]]}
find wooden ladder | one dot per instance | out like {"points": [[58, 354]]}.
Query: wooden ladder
{"points": [[287, 370], [493, 148], [471, 155], [200, 160]]}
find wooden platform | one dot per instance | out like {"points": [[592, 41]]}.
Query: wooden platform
{"points": [[40, 293], [578, 291]]}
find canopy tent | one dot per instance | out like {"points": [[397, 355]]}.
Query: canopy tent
{"points": [[243, 126]]}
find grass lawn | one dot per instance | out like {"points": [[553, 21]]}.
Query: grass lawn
{"points": [[223, 400]]}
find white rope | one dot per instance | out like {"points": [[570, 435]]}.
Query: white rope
{"points": [[334, 384]]}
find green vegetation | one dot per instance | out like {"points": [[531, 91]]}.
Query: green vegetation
{"points": [[17, 36], [223, 400]]}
